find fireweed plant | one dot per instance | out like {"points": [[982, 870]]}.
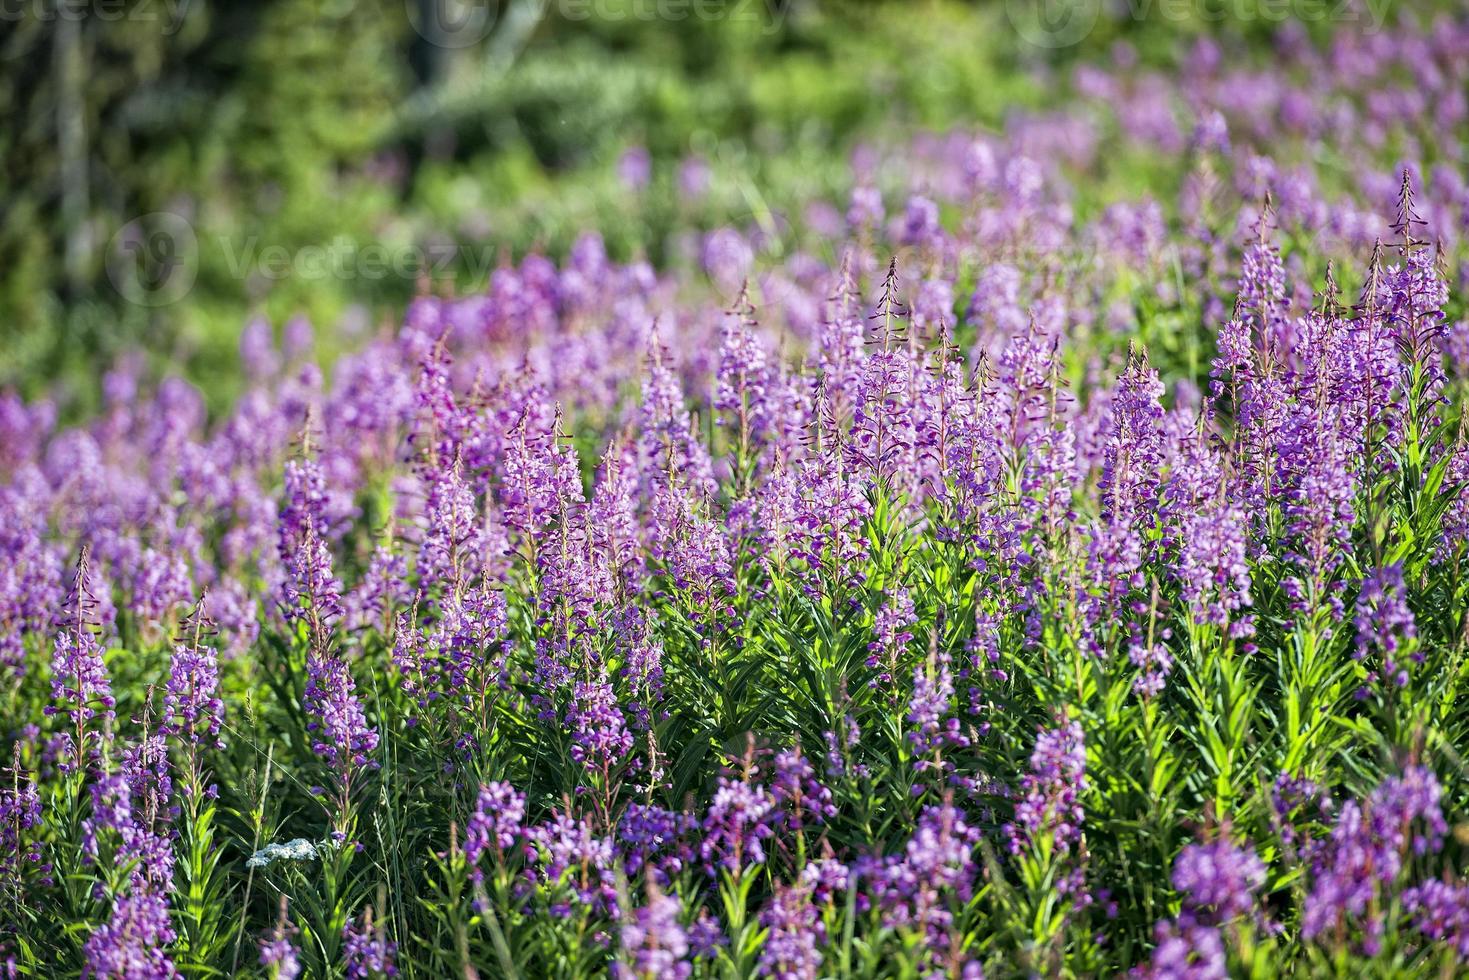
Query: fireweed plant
{"points": [[1011, 592]]}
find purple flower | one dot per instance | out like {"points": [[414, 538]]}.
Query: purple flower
{"points": [[1152, 660], [882, 439], [744, 390], [996, 302], [1185, 952], [648, 836], [827, 531], [933, 307], [695, 553], [343, 736], [1456, 515], [1417, 297], [469, 635], [235, 612], [934, 875], [1235, 357], [161, 583], [570, 855], [20, 819], [30, 579], [1209, 530], [828, 878], [865, 210], [795, 931], [693, 179], [126, 824], [739, 819], [841, 344], [706, 937], [130, 944], [1440, 911], [366, 954], [1362, 859], [667, 442], [1312, 478], [383, 588], [311, 591], [453, 544], [893, 631], [728, 258], [635, 168], [654, 941], [1289, 798], [920, 225], [278, 954], [304, 507], [798, 793], [497, 822], [192, 707], [1384, 622], [79, 682], [840, 748], [1218, 880], [1051, 792], [1262, 286], [933, 697], [598, 728], [1211, 133], [1212, 566], [257, 350], [1129, 480]]}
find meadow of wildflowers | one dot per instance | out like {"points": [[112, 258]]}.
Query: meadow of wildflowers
{"points": [[988, 574]]}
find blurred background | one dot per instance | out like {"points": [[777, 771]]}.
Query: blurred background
{"points": [[173, 168]]}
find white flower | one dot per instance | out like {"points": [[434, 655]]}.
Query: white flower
{"points": [[299, 849]]}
